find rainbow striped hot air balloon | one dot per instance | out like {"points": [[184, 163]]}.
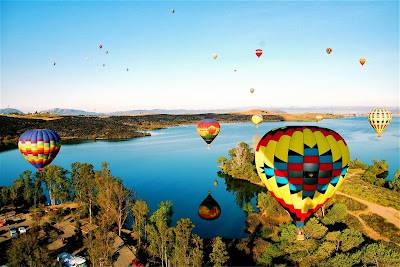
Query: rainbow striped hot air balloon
{"points": [[208, 129], [379, 119], [302, 167], [39, 146]]}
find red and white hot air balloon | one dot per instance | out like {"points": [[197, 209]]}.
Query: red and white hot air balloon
{"points": [[259, 52]]}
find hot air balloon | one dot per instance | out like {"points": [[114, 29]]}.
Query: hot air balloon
{"points": [[106, 52], [100, 46], [214, 56], [379, 119], [257, 119], [302, 167], [251, 90], [172, 11], [87, 58], [215, 183], [209, 209], [39, 146], [362, 61], [208, 129], [318, 118], [54, 63], [259, 52], [328, 50]]}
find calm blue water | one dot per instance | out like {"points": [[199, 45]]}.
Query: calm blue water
{"points": [[174, 164]]}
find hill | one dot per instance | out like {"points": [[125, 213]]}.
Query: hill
{"points": [[104, 127], [10, 111]]}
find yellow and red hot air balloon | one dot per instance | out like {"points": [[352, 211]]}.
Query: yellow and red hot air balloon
{"points": [[302, 167], [329, 50], [39, 147], [257, 119], [379, 119], [208, 129], [209, 209], [259, 52], [362, 61]]}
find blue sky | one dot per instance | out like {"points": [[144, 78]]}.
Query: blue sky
{"points": [[169, 56]]}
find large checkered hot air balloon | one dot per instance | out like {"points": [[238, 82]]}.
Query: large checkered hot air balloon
{"points": [[302, 167], [208, 129], [39, 146], [379, 119]]}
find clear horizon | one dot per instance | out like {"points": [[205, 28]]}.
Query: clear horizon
{"points": [[160, 60]]}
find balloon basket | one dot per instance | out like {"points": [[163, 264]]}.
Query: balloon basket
{"points": [[300, 237]]}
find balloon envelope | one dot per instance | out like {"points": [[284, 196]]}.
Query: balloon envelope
{"points": [[257, 119], [362, 61], [39, 147], [328, 50], [209, 209], [251, 90], [379, 119], [100, 46], [259, 52], [302, 167], [208, 129], [214, 56]]}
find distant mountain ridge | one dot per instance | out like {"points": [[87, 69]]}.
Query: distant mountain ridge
{"points": [[289, 109], [10, 111]]}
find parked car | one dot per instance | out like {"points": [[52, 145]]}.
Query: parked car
{"points": [[13, 232], [22, 230]]}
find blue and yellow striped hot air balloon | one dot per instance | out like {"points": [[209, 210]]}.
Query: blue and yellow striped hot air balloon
{"points": [[302, 167], [39, 146], [379, 119]]}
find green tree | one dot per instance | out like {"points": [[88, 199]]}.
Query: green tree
{"points": [[182, 233], [57, 183], [84, 184], [380, 255], [313, 229], [335, 214], [196, 252], [394, 184], [219, 256], [159, 232], [357, 164], [140, 211], [349, 239], [27, 251]]}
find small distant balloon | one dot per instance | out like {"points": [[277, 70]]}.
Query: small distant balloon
{"points": [[215, 183], [208, 129], [87, 58], [379, 118], [100, 46], [127, 69], [259, 52], [54, 63], [251, 90], [106, 52], [172, 11], [329, 50], [257, 119], [214, 56], [104, 65], [318, 118], [362, 61]]}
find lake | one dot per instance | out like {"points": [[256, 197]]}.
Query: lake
{"points": [[175, 164]]}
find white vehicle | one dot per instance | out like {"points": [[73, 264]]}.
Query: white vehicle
{"points": [[22, 230], [69, 260]]}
